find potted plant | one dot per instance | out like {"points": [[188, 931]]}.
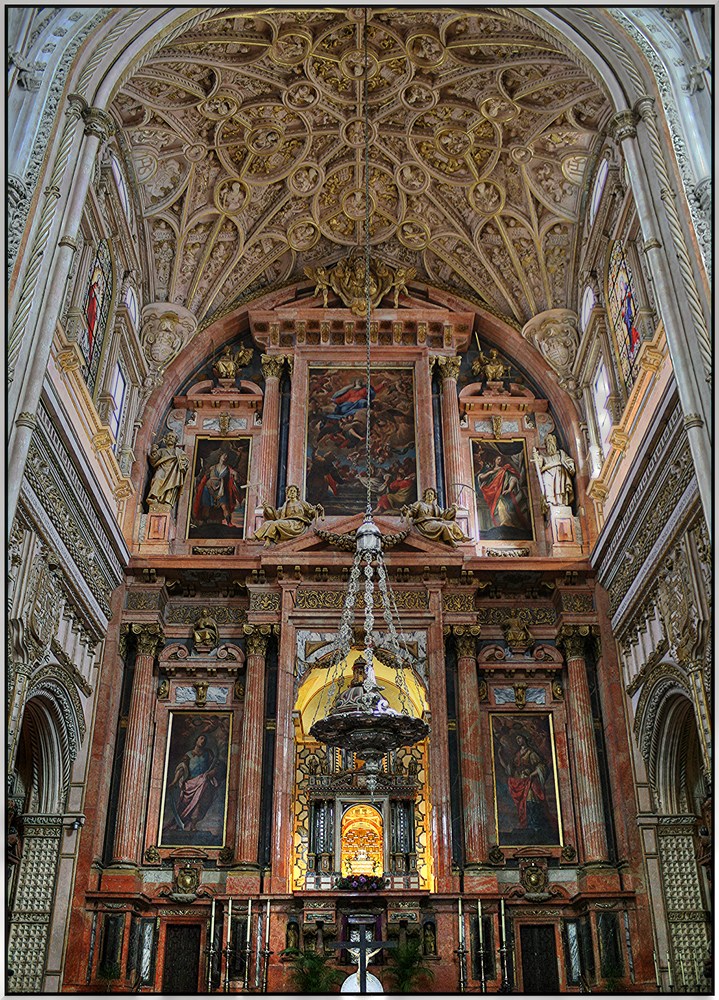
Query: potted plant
{"points": [[408, 968], [311, 973]]}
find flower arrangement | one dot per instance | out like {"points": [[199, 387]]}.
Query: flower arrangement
{"points": [[361, 883]]}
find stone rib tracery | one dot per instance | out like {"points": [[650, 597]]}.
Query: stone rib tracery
{"points": [[248, 152]]}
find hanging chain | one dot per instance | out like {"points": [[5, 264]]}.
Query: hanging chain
{"points": [[367, 288]]}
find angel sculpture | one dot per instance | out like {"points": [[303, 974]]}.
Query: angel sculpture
{"points": [[320, 277]]}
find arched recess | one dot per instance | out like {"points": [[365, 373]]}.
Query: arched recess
{"points": [[329, 783], [50, 736], [669, 741]]}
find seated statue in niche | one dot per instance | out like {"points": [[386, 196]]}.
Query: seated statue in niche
{"points": [[433, 521], [205, 632], [226, 367], [555, 471], [170, 463], [293, 518]]}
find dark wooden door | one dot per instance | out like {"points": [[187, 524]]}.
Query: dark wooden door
{"points": [[539, 959], [182, 959]]}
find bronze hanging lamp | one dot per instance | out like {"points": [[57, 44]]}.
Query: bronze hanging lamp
{"points": [[360, 718]]}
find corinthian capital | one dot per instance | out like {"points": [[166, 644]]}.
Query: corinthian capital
{"points": [[149, 636], [272, 365], [574, 639], [257, 637], [449, 367]]}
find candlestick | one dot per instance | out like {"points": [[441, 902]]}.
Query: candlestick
{"points": [[656, 970], [229, 924], [246, 976], [480, 939], [681, 966], [461, 950], [266, 950], [212, 924], [669, 973], [504, 927], [461, 923]]}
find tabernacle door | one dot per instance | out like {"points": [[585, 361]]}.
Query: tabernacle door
{"points": [[182, 959], [539, 959]]}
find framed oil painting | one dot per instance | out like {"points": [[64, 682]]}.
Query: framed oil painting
{"points": [[501, 490], [219, 488], [336, 471], [525, 780], [194, 786]]}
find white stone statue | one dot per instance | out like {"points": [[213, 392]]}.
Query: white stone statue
{"points": [[555, 471]]}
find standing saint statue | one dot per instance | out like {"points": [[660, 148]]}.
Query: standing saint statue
{"points": [[170, 463], [288, 521], [555, 471], [432, 521]]}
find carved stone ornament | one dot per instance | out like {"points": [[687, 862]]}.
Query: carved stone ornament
{"points": [[187, 879], [272, 365], [448, 367], [496, 855], [165, 331], [574, 638], [257, 637], [554, 334], [205, 633], [152, 855], [490, 367], [228, 366]]}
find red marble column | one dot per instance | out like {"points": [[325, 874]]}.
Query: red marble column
{"points": [[267, 472], [284, 753], [449, 372], [584, 749], [132, 798], [439, 753], [476, 822], [253, 729]]}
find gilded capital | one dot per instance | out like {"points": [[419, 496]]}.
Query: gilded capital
{"points": [[257, 637], [574, 638], [449, 367], [466, 645], [272, 365], [624, 125], [149, 636]]}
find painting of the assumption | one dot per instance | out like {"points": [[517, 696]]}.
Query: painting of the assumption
{"points": [[525, 780], [194, 790], [501, 490], [219, 488], [336, 474]]}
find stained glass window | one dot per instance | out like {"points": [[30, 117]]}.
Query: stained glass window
{"points": [[622, 307], [95, 307]]}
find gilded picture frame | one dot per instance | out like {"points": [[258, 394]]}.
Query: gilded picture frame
{"points": [[335, 467], [502, 494], [193, 809], [220, 475], [527, 810]]}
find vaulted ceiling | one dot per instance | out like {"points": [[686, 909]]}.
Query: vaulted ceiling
{"points": [[246, 136]]}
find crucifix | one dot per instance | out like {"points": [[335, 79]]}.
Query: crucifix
{"points": [[360, 952]]}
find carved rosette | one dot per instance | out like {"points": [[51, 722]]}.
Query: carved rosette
{"points": [[149, 636], [554, 334]]}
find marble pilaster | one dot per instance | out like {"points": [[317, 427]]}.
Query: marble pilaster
{"points": [[439, 754], [587, 779], [250, 780], [476, 820], [132, 798]]}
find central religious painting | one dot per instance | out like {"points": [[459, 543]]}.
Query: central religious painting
{"points": [[336, 470]]}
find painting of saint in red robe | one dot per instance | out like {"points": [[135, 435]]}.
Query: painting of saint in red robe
{"points": [[336, 470], [219, 490], [502, 491], [195, 782], [524, 777]]}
